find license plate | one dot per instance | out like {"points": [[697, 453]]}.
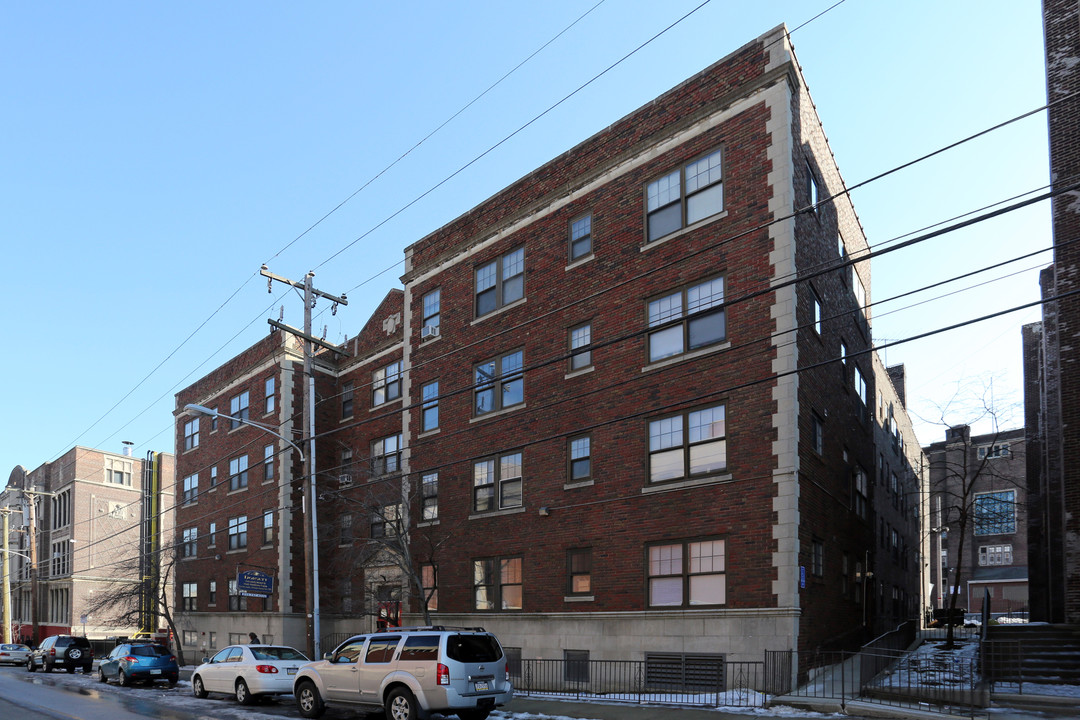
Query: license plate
{"points": [[291, 671], [155, 672], [482, 687]]}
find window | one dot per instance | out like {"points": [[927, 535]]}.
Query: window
{"points": [[497, 584], [580, 347], [686, 320], [840, 245], [429, 579], [687, 574], [118, 471], [345, 529], [817, 435], [61, 557], [191, 596], [270, 389], [995, 555], [213, 421], [500, 383], [580, 237], [386, 455], [858, 288], [429, 497], [211, 594], [580, 458], [429, 413], [497, 483], [188, 544], [211, 534], [812, 193], [268, 527], [579, 571], [845, 563], [238, 477], [61, 509], [994, 451], [669, 208], [860, 387], [268, 462], [843, 362], [432, 308], [384, 521], [346, 399], [191, 434], [238, 409], [213, 476], [695, 440], [238, 532], [236, 600], [817, 558], [500, 282], [995, 512], [576, 666], [191, 489], [386, 384], [815, 311], [861, 493]]}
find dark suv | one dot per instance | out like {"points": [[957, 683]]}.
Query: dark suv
{"points": [[66, 651]]}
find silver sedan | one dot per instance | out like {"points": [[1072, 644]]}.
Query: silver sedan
{"points": [[13, 654]]}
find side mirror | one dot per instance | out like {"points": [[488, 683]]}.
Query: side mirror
{"points": [[206, 660], [328, 656]]}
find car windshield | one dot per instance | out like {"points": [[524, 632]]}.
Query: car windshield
{"points": [[13, 647], [150, 651], [277, 653], [473, 648]]}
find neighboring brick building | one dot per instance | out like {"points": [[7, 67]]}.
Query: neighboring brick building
{"points": [[603, 419], [87, 518], [978, 516], [1051, 355], [239, 500]]}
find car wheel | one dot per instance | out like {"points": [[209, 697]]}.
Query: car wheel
{"points": [[87, 669], [197, 688], [30, 665], [46, 667], [308, 700], [71, 669], [473, 714], [400, 705], [172, 682], [243, 693], [125, 681], [74, 654], [101, 676]]}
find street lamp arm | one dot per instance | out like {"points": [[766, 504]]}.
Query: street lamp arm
{"points": [[12, 552], [192, 409]]}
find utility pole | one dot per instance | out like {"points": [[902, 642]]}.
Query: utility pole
{"points": [[311, 524], [32, 502], [5, 564]]}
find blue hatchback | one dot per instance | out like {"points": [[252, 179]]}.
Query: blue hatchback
{"points": [[139, 662]]}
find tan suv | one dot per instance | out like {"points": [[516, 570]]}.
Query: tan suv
{"points": [[410, 673]]}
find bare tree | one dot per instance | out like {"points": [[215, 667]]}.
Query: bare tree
{"points": [[392, 551], [121, 601]]}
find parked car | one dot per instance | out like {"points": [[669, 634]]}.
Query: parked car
{"points": [[409, 673], [14, 654], [65, 651], [139, 662], [248, 672]]}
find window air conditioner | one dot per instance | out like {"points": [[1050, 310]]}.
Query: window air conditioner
{"points": [[345, 480], [429, 331]]}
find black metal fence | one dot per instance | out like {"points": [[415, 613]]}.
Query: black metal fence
{"points": [[707, 682]]}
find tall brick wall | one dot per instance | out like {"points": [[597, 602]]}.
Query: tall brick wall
{"points": [[1062, 34]]}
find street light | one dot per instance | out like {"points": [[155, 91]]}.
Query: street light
{"points": [[192, 409]]}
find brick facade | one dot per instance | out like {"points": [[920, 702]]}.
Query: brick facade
{"points": [[755, 542]]}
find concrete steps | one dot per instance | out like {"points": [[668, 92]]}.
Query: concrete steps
{"points": [[1047, 654]]}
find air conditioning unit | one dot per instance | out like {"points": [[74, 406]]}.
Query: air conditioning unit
{"points": [[344, 480], [429, 331]]}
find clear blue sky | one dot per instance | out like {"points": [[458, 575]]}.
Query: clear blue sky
{"points": [[154, 155]]}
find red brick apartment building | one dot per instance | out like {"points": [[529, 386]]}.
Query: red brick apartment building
{"points": [[625, 406]]}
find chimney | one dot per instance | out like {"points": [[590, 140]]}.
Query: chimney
{"points": [[127, 448]]}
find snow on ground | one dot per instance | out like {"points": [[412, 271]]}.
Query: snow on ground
{"points": [[222, 707]]}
